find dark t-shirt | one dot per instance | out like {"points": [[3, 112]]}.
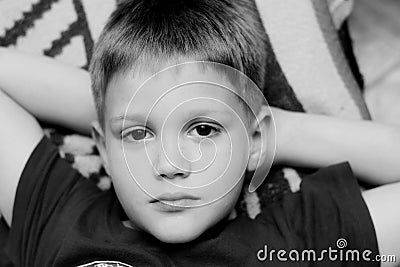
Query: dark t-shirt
{"points": [[62, 219]]}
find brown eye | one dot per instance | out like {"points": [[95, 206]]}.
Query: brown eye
{"points": [[204, 130], [138, 134]]}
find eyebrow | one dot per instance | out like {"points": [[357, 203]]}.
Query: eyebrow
{"points": [[127, 117], [141, 118], [195, 113]]}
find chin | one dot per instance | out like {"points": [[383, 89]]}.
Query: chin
{"points": [[176, 238], [178, 232]]}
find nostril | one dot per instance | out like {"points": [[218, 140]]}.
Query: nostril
{"points": [[181, 174], [166, 169], [173, 175]]}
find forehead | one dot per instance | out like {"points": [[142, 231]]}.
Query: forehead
{"points": [[188, 86]]}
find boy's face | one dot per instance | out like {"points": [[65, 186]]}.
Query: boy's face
{"points": [[176, 152]]}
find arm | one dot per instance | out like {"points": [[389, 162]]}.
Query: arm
{"points": [[373, 151], [19, 135], [307, 140], [49, 90], [30, 87], [383, 204]]}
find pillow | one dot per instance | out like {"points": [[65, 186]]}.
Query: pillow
{"points": [[313, 69]]}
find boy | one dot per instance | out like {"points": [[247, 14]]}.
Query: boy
{"points": [[164, 148]]}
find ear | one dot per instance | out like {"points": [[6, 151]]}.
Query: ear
{"points": [[99, 138], [258, 138]]}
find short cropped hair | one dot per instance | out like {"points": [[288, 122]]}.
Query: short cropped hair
{"points": [[143, 33]]}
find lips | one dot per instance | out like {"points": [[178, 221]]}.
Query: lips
{"points": [[174, 202], [171, 197]]}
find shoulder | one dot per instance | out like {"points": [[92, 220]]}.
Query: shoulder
{"points": [[50, 198], [329, 207]]}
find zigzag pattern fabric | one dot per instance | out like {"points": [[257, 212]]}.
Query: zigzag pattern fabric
{"points": [[63, 29]]}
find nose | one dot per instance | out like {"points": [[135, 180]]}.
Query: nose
{"points": [[170, 163]]}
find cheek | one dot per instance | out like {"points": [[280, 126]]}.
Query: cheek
{"points": [[132, 172], [129, 193], [116, 159], [225, 205], [126, 159], [119, 168], [234, 154], [232, 164]]}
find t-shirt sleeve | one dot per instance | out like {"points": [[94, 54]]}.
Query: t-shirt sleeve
{"points": [[49, 197], [328, 213]]}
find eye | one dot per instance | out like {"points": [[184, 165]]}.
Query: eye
{"points": [[136, 134], [204, 130]]}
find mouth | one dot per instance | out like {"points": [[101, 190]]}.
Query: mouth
{"points": [[175, 201]]}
